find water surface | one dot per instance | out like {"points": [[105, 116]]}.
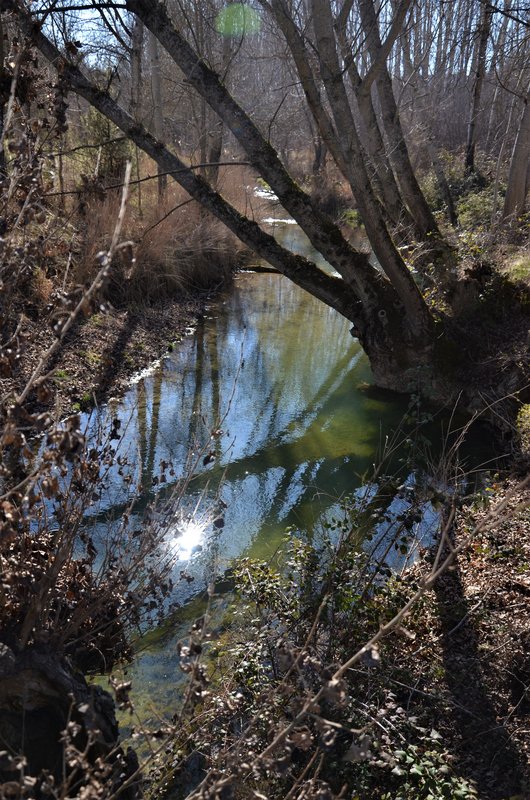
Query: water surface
{"points": [[282, 383]]}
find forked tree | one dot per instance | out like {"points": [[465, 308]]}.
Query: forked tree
{"points": [[390, 317]]}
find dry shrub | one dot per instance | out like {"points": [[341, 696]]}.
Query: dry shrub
{"points": [[177, 247], [237, 184], [41, 287], [97, 222], [195, 252]]}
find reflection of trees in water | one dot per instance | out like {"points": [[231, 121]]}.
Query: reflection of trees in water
{"points": [[147, 431], [273, 363], [302, 452]]}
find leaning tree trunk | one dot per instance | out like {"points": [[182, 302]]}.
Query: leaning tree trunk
{"points": [[379, 237], [392, 201], [400, 348], [384, 177], [347, 151]]}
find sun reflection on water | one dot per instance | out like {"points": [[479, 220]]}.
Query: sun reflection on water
{"points": [[186, 538]]}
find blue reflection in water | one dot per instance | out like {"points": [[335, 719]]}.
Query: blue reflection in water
{"points": [[279, 377]]}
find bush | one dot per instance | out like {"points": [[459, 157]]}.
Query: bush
{"points": [[474, 209], [472, 194]]}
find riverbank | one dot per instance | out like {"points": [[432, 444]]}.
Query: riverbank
{"points": [[464, 667], [102, 353], [437, 709]]}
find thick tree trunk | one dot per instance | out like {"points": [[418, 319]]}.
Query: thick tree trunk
{"points": [[353, 266], [384, 248], [393, 204], [399, 347], [39, 696], [515, 200]]}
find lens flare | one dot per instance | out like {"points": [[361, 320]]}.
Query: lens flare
{"points": [[237, 19]]}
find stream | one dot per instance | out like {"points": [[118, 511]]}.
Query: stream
{"points": [[277, 374]]}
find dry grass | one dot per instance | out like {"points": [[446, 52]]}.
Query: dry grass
{"points": [[177, 247], [193, 252]]}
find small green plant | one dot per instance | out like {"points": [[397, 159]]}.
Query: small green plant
{"points": [[424, 774], [91, 357], [519, 269], [85, 401], [97, 320], [61, 375], [352, 218], [475, 209]]}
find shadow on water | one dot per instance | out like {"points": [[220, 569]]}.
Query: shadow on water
{"points": [[281, 375]]}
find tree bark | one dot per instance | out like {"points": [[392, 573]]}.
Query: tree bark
{"points": [[398, 152], [399, 349], [393, 204], [156, 93], [353, 266], [479, 69], [137, 37], [347, 150], [384, 248], [390, 195], [5, 87], [515, 200]]}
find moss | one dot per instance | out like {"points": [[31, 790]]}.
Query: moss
{"points": [[352, 218]]}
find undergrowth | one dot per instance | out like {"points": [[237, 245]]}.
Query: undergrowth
{"points": [[270, 717]]}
